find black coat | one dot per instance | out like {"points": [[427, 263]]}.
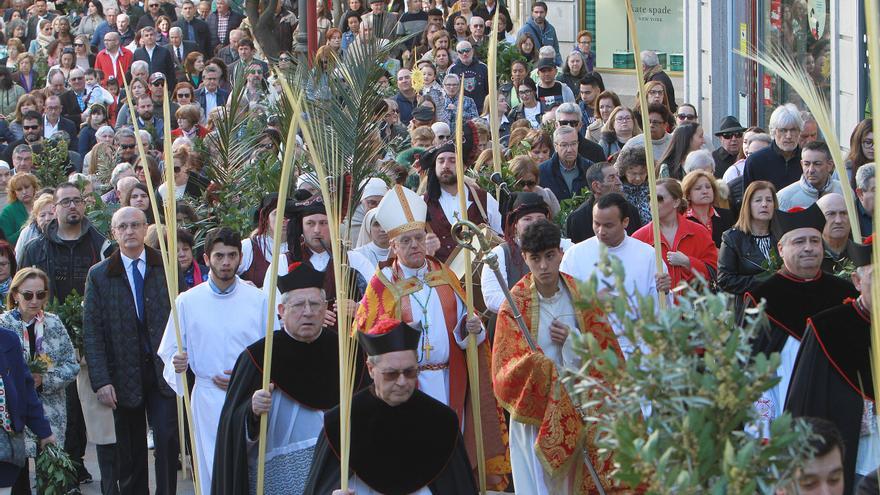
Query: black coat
{"points": [[740, 264], [112, 334], [66, 264], [72, 130], [162, 61], [769, 164], [70, 107], [720, 223], [590, 150], [579, 225], [202, 40]]}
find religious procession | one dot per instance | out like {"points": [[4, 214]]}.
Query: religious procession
{"points": [[444, 247]]}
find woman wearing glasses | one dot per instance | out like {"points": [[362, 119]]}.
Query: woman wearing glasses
{"points": [[619, 128], [43, 340], [525, 170]]}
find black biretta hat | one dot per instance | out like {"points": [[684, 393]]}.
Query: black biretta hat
{"points": [[389, 336], [300, 276], [797, 218]]}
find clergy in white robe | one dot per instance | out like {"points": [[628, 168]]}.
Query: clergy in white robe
{"points": [[549, 440], [305, 383], [218, 320]]}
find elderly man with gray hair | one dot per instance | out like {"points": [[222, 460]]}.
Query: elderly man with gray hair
{"points": [[654, 72], [865, 193], [451, 85], [569, 114], [565, 173], [474, 74], [780, 164]]}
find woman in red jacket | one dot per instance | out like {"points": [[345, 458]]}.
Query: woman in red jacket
{"points": [[687, 246]]}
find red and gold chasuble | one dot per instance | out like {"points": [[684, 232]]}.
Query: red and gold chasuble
{"points": [[389, 298], [528, 385]]}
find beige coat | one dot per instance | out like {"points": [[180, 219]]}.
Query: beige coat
{"points": [[99, 418]]}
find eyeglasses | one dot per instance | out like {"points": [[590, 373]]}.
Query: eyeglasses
{"points": [[30, 127], [529, 183], [66, 202], [285, 59], [300, 306], [80, 45], [686, 116], [569, 123], [184, 95], [127, 146], [160, 82], [525, 91], [730, 135], [623, 118], [464, 50], [41, 294], [656, 92], [393, 375], [122, 227]]}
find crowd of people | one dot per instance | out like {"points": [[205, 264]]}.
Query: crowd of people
{"points": [[762, 217]]}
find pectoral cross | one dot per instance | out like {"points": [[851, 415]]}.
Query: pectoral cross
{"points": [[426, 348]]}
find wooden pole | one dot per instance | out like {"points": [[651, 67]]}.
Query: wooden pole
{"points": [[494, 117], [169, 259], [283, 188], [472, 356], [649, 146], [872, 10]]}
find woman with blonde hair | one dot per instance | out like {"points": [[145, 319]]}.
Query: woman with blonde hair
{"points": [[620, 126], [44, 340], [42, 213]]}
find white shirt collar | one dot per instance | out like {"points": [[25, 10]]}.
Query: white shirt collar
{"points": [[127, 261]]}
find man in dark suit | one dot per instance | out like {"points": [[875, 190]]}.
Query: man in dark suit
{"points": [[194, 30], [602, 179], [211, 95], [157, 57], [221, 22], [125, 311], [54, 122], [179, 48], [41, 11], [75, 100]]}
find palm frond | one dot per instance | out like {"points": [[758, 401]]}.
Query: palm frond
{"points": [[776, 59]]}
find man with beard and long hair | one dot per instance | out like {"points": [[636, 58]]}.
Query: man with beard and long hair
{"points": [[218, 320], [442, 193], [65, 252]]}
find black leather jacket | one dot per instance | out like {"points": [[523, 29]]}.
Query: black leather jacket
{"points": [[739, 262]]}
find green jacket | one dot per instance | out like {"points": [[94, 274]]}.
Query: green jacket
{"points": [[12, 218]]}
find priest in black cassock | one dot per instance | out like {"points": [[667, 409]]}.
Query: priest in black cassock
{"points": [[832, 379], [402, 440], [304, 384], [794, 293]]}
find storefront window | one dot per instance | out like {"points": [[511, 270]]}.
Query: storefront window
{"points": [[660, 27], [803, 29]]}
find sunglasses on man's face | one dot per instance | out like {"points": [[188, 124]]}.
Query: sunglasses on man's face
{"points": [[686, 116], [464, 50], [569, 123], [731, 135], [41, 294], [127, 146]]}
